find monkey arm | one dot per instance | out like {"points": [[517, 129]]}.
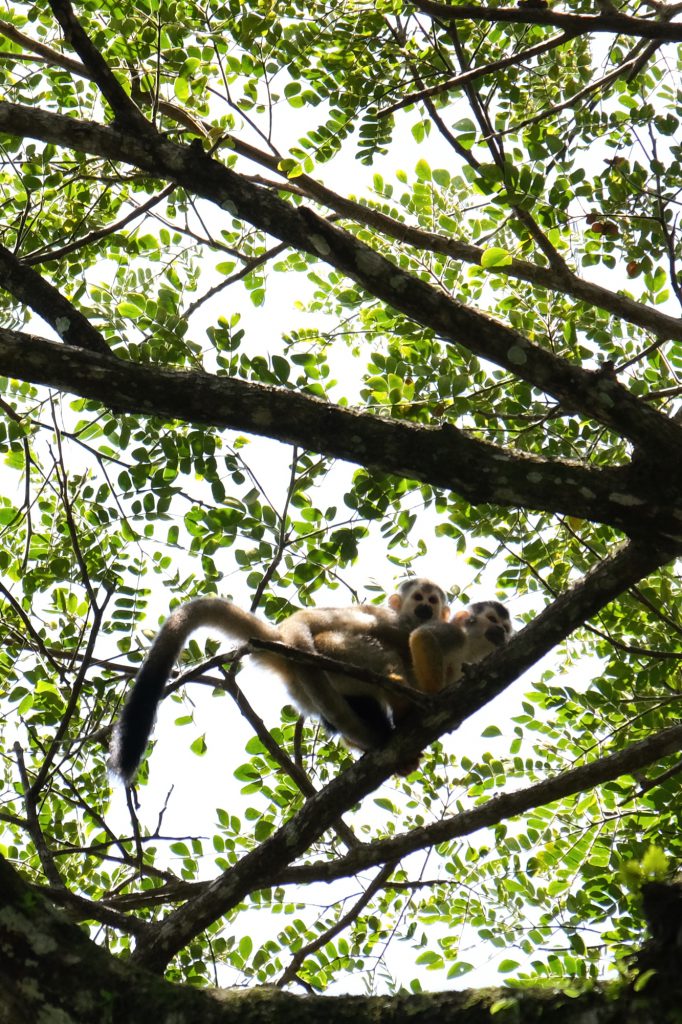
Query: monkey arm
{"points": [[438, 652]]}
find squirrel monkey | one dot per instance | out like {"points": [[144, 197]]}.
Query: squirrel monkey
{"points": [[439, 650], [364, 635]]}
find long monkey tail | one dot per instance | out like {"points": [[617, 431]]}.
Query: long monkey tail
{"points": [[134, 726]]}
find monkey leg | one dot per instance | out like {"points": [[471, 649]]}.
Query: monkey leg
{"points": [[358, 717]]}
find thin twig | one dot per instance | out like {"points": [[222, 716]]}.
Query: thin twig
{"points": [[346, 919]]}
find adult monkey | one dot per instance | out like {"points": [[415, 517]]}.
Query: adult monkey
{"points": [[364, 635], [436, 655]]}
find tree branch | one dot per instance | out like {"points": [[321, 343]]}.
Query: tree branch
{"points": [[37, 294], [577, 24], [126, 113], [261, 866], [480, 72], [296, 774], [51, 970], [82, 909], [617, 304], [593, 394], [444, 456], [499, 808], [346, 919]]}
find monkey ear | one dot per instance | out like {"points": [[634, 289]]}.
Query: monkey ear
{"points": [[395, 602], [460, 616], [445, 614]]}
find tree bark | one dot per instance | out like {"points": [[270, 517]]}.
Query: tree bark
{"points": [[442, 456], [51, 971]]}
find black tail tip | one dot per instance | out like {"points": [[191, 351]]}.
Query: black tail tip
{"points": [[123, 762]]}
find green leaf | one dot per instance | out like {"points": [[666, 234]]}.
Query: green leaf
{"points": [[129, 309], [655, 864], [199, 746], [182, 89], [495, 257], [423, 170]]}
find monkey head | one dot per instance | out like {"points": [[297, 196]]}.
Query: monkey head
{"points": [[418, 601], [487, 625]]}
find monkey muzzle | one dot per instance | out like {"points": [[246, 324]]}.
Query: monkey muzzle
{"points": [[495, 635], [423, 612]]}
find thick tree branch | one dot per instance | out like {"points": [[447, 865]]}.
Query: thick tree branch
{"points": [[499, 808], [444, 457], [44, 299], [50, 970], [619, 305], [577, 24], [125, 111], [47, 53], [567, 283], [595, 395], [82, 909]]}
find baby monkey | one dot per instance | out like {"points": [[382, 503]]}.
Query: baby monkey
{"points": [[366, 636], [440, 650]]}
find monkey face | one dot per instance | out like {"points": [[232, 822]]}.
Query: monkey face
{"points": [[487, 626], [420, 601]]}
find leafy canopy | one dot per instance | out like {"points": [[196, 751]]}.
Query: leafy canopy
{"points": [[459, 220]]}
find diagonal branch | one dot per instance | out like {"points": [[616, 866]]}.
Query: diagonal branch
{"points": [[43, 254], [34, 826], [47, 53], [261, 866], [499, 808], [458, 81], [344, 921], [627, 69], [568, 284], [297, 775], [442, 456], [37, 294], [126, 113], [594, 394]]}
